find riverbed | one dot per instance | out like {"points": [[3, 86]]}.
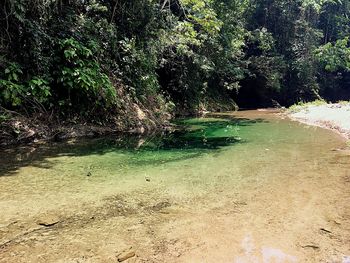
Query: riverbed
{"points": [[231, 187]]}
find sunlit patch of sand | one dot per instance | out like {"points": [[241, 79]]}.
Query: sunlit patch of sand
{"points": [[331, 116]]}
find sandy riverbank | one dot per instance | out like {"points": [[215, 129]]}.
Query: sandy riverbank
{"points": [[332, 116]]}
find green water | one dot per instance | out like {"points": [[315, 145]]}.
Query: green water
{"points": [[192, 139], [226, 143]]}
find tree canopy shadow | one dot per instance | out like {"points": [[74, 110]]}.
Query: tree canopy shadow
{"points": [[194, 138]]}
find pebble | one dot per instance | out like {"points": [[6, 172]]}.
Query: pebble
{"points": [[48, 220], [126, 255]]}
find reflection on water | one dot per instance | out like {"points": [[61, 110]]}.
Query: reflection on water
{"points": [[268, 255], [194, 138], [276, 255]]}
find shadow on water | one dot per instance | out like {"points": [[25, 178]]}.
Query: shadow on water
{"points": [[194, 138]]}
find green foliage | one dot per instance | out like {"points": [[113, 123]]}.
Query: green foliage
{"points": [[39, 88], [16, 92], [139, 68], [202, 14], [79, 71], [335, 57], [78, 57], [4, 117], [12, 90]]}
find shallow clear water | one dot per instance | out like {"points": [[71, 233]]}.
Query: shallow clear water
{"points": [[208, 153], [198, 137], [207, 164]]}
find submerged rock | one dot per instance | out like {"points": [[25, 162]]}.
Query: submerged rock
{"points": [[312, 246], [48, 220], [126, 255]]}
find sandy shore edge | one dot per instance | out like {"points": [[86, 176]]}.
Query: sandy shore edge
{"points": [[335, 117]]}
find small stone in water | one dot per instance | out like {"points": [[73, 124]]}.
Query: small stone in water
{"points": [[126, 255], [48, 220]]}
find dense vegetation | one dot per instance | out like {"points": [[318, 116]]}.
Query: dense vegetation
{"points": [[91, 58]]}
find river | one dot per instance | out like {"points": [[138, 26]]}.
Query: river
{"points": [[238, 187]]}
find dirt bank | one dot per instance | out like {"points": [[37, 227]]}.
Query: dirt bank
{"points": [[332, 116], [20, 129]]}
